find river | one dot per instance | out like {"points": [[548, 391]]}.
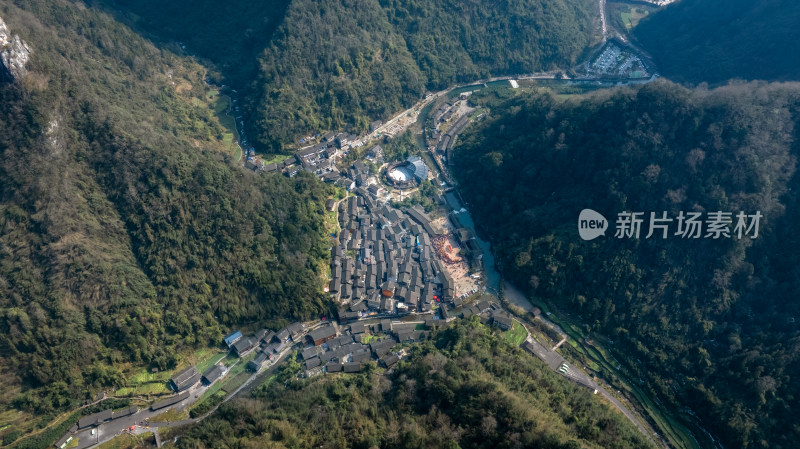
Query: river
{"points": [[493, 277]]}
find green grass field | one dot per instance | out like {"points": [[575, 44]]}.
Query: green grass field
{"points": [[222, 103], [273, 158], [456, 92], [208, 360], [143, 382], [632, 17], [367, 338], [237, 381], [73, 443], [516, 335]]}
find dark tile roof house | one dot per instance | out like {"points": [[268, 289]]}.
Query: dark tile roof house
{"points": [[125, 412], [405, 335], [258, 362], [283, 335], [483, 306], [184, 379], [309, 353], [269, 338], [95, 419], [361, 356], [169, 401], [321, 335], [333, 344], [381, 348], [345, 340], [502, 321], [360, 167], [296, 330], [352, 367], [333, 367], [358, 328], [421, 218], [212, 374], [359, 307], [272, 349], [313, 363], [260, 334], [390, 360], [243, 346]]}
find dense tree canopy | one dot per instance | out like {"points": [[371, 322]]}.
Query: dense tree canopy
{"points": [[342, 64], [310, 66], [709, 324], [126, 233], [716, 40]]}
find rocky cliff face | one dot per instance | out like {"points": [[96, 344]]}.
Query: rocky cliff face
{"points": [[14, 54]]}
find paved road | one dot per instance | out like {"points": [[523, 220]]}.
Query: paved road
{"points": [[141, 421], [603, 25], [554, 360], [109, 430]]}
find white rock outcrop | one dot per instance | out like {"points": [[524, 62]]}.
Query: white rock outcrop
{"points": [[14, 54]]}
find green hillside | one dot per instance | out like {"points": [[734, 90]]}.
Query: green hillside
{"points": [[703, 323], [716, 40], [307, 66], [344, 64], [464, 389], [127, 235]]}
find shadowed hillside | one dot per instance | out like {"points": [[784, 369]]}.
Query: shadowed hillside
{"points": [[706, 323]]}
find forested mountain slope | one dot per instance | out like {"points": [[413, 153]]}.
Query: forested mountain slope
{"points": [[708, 324], [341, 64], [716, 40], [465, 388], [126, 231]]}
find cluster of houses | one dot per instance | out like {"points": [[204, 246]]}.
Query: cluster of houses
{"points": [[330, 348], [345, 351], [334, 349], [355, 344], [489, 313], [94, 420], [189, 377], [443, 143], [383, 261], [318, 159], [268, 344]]}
